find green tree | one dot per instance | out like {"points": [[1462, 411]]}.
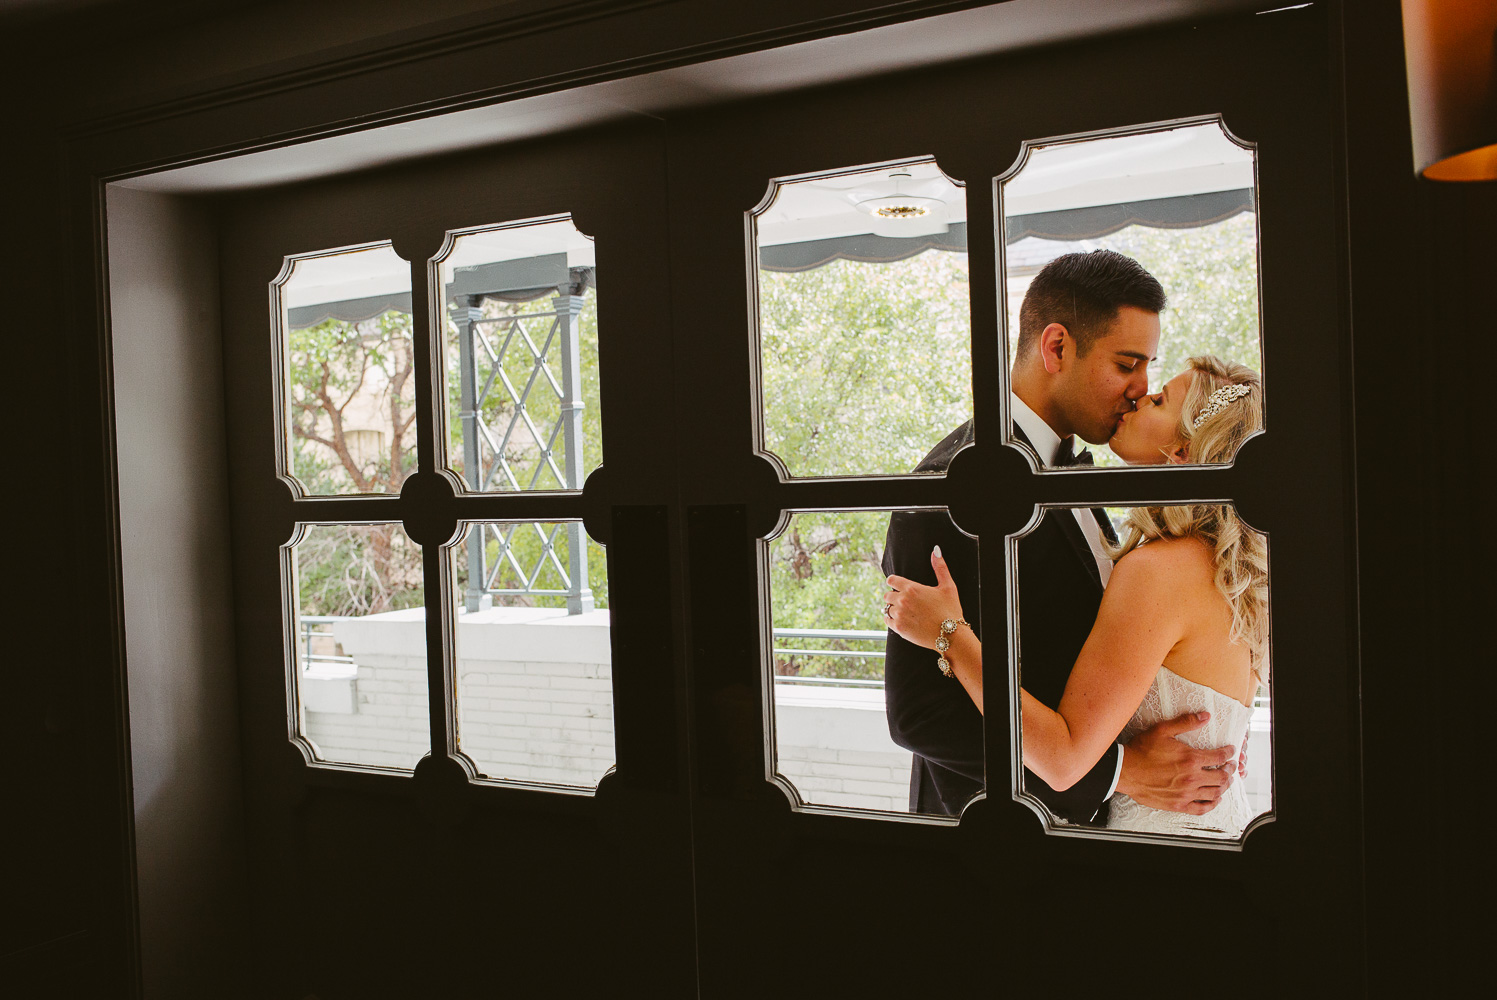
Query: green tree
{"points": [[337, 367], [342, 374], [861, 361], [1210, 274], [865, 367], [358, 569], [824, 573], [341, 371]]}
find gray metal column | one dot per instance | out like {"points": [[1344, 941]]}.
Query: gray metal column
{"points": [[465, 311], [568, 308]]}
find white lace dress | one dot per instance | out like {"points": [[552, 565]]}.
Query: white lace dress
{"points": [[1169, 697]]}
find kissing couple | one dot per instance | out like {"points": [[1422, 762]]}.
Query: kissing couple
{"points": [[1139, 657]]}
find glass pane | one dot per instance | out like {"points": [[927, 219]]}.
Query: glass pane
{"points": [[521, 358], [864, 320], [350, 390], [361, 644], [1183, 628], [842, 684], [1179, 204], [534, 660]]}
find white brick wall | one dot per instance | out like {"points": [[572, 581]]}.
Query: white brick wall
{"points": [[387, 725], [535, 703], [834, 747], [535, 721], [535, 694]]}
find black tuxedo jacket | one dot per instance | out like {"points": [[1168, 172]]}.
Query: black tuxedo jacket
{"points": [[930, 714]]}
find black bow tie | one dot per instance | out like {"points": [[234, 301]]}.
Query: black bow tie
{"points": [[1066, 457]]}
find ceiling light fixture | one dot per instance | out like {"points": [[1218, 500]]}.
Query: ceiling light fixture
{"points": [[900, 214]]}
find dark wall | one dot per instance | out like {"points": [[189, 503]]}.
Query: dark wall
{"points": [[179, 636], [65, 925], [1420, 259]]}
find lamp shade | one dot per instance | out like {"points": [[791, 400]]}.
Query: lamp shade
{"points": [[1450, 48]]}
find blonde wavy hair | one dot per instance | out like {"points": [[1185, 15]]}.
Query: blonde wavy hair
{"points": [[1239, 552]]}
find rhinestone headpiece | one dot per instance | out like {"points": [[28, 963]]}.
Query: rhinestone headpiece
{"points": [[1218, 402]]}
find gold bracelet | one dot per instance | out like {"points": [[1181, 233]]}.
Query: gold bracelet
{"points": [[943, 643]]}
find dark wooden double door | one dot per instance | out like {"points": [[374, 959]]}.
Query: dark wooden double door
{"points": [[689, 872]]}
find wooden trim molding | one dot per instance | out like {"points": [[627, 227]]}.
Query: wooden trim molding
{"points": [[765, 24]]}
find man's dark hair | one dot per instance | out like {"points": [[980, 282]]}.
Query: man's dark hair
{"points": [[1083, 292]]}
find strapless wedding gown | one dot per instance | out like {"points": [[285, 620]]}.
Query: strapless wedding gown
{"points": [[1171, 696]]}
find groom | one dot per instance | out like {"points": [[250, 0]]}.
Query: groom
{"points": [[1088, 327]]}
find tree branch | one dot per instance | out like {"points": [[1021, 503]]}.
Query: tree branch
{"points": [[339, 443]]}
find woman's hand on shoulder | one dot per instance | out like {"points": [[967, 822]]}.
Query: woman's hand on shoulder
{"points": [[916, 611]]}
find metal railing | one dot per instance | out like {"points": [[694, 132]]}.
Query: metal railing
{"points": [[781, 635], [309, 634], [314, 627]]}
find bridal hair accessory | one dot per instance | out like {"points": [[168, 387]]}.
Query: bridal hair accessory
{"points": [[1218, 402]]}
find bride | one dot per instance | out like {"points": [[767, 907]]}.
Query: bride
{"points": [[1183, 625]]}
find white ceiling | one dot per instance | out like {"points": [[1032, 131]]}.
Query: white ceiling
{"points": [[378, 270], [1195, 159], [336, 277], [825, 207], [1070, 174], [489, 246]]}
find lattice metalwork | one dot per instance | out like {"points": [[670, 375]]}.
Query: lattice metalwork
{"points": [[520, 412], [508, 426], [534, 563]]}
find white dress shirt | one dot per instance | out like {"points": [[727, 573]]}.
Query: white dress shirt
{"points": [[1047, 443]]}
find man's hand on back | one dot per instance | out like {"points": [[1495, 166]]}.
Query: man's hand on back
{"points": [[1161, 772]]}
